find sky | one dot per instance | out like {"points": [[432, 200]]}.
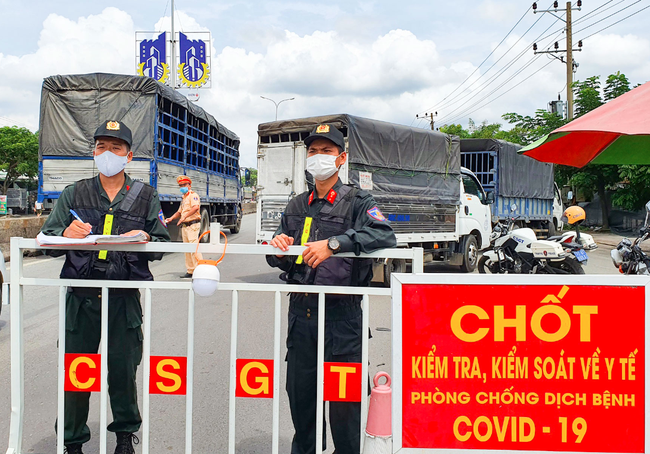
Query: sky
{"points": [[379, 59]]}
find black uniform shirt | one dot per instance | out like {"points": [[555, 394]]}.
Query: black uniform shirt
{"points": [[370, 230]]}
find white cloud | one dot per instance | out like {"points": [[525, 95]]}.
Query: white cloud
{"points": [[335, 67]]}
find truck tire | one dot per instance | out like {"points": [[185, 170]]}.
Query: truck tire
{"points": [[551, 228], [237, 226], [393, 266], [205, 225], [470, 254]]}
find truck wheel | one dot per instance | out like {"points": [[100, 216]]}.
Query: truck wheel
{"points": [[551, 228], [470, 254], [205, 225], [237, 226], [393, 266]]}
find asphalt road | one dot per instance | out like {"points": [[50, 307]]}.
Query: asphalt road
{"points": [[169, 334]]}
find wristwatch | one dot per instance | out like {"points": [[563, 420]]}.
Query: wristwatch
{"points": [[334, 244]]}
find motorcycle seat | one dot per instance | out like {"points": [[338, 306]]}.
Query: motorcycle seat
{"points": [[553, 238]]}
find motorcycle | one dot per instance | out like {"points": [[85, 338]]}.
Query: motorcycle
{"points": [[628, 256], [518, 251]]}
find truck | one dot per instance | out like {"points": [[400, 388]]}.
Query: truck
{"points": [[414, 175], [171, 137], [515, 179]]}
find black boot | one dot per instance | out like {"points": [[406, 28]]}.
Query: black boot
{"points": [[73, 449], [125, 442]]}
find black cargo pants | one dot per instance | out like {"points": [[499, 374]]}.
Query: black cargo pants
{"points": [[83, 332], [343, 326]]}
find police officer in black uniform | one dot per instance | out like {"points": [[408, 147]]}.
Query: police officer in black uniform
{"points": [[110, 203], [329, 219]]}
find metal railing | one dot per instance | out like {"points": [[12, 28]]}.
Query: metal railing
{"points": [[18, 282]]}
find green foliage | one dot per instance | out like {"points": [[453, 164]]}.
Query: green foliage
{"points": [[455, 130], [253, 177], [528, 129], [587, 95], [18, 154], [634, 189], [616, 85]]}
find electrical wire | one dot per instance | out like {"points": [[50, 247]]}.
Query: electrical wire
{"points": [[593, 12], [479, 66], [612, 24], [510, 89], [14, 122], [453, 113], [468, 109], [492, 66], [605, 18]]}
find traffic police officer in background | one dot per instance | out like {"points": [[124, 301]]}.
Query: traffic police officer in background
{"points": [[330, 219], [190, 221], [110, 203]]}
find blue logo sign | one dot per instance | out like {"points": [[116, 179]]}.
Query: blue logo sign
{"points": [[152, 59], [193, 69]]}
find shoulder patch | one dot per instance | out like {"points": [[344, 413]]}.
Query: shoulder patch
{"points": [[161, 218], [376, 213]]}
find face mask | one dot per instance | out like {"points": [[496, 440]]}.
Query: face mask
{"points": [[184, 190], [322, 166], [109, 164]]}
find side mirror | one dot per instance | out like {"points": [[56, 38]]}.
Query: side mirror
{"points": [[513, 207], [569, 196], [490, 199]]}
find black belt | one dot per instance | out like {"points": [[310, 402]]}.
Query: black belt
{"points": [[191, 222], [96, 291]]}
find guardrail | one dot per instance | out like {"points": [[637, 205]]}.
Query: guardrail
{"points": [[18, 282]]}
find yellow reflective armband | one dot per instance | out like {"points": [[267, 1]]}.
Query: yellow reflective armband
{"points": [[108, 228], [305, 237]]}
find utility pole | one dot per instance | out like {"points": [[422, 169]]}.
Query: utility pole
{"points": [[428, 116], [569, 50], [173, 41]]}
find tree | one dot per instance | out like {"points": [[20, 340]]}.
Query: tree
{"points": [[528, 129], [616, 85], [18, 154], [587, 95], [455, 130]]}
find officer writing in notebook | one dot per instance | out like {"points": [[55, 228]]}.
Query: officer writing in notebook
{"points": [[110, 203], [329, 219]]}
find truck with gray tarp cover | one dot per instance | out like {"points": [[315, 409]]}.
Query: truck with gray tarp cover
{"points": [[515, 179], [171, 137], [414, 175]]}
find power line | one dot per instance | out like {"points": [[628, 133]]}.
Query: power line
{"points": [[510, 89], [493, 65], [467, 110], [14, 122], [486, 58], [590, 13], [605, 18], [619, 21], [492, 79]]}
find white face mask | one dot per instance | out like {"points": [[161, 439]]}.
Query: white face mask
{"points": [[109, 164], [322, 166]]}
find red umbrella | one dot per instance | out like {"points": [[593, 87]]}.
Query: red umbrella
{"points": [[617, 132]]}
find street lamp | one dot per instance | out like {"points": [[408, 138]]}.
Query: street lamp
{"points": [[277, 104]]}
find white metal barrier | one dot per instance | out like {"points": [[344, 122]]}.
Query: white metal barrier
{"points": [[18, 282]]}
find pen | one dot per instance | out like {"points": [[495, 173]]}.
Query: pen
{"points": [[74, 213]]}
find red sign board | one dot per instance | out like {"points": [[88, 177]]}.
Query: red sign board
{"points": [[523, 367], [342, 382], [254, 378], [168, 375], [82, 372]]}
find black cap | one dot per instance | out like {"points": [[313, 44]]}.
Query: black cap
{"points": [[112, 128], [328, 132]]}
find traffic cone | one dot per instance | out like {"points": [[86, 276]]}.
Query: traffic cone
{"points": [[379, 436]]}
